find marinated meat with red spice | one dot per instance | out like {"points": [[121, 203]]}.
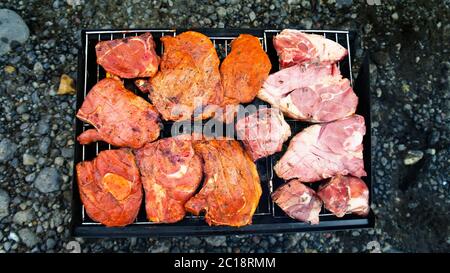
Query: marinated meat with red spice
{"points": [[231, 188], [298, 201], [131, 57], [263, 132], [244, 70], [313, 93], [345, 194], [119, 116], [171, 173], [188, 83], [324, 150], [295, 47], [110, 187]]}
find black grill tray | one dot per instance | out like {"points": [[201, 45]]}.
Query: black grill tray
{"points": [[268, 218]]}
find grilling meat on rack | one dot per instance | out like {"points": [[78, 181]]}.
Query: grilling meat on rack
{"points": [[345, 194], [295, 47], [263, 132], [130, 57], [231, 189], [110, 187], [119, 116], [325, 150], [313, 93], [171, 173], [298, 201], [244, 69], [189, 72]]}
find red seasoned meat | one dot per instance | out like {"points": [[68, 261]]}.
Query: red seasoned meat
{"points": [[189, 71], [298, 201], [119, 116], [263, 132], [314, 93], [295, 47], [231, 189], [130, 57], [171, 172], [345, 194], [324, 150], [244, 70], [110, 187]]}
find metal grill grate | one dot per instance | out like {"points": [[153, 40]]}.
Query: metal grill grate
{"points": [[269, 181]]}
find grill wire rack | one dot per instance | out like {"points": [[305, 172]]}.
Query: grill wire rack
{"points": [[268, 217]]}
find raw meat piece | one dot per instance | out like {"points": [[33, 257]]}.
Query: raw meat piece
{"points": [[345, 194], [189, 78], [244, 69], [171, 173], [110, 187], [263, 132], [295, 47], [314, 93], [324, 150], [298, 201], [130, 57], [119, 116], [231, 189]]}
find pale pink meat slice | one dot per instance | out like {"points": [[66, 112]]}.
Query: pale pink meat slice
{"points": [[295, 47], [313, 93], [298, 201], [263, 132], [345, 194], [324, 150]]}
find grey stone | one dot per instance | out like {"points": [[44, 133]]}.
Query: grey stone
{"points": [[48, 180], [28, 160], [44, 145], [307, 22], [7, 246], [13, 28], [50, 243], [43, 127], [380, 57], [252, 16], [23, 217], [216, 240], [344, 2], [13, 236], [194, 241], [7, 150], [28, 237], [221, 11], [413, 157], [4, 204], [67, 152], [30, 177]]}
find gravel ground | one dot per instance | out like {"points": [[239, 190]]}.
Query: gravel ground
{"points": [[409, 45]]}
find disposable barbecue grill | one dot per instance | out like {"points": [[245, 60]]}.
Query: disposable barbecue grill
{"points": [[268, 217]]}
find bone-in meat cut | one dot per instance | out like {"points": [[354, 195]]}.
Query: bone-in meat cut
{"points": [[188, 83], [324, 150], [313, 93], [295, 47], [110, 187], [345, 194], [298, 201], [119, 116], [263, 132], [129, 57], [231, 187], [244, 70], [171, 173]]}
